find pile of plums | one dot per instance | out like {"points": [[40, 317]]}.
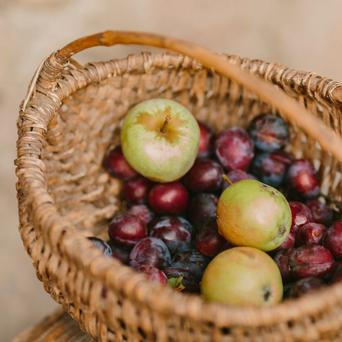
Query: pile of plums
{"points": [[169, 232]]}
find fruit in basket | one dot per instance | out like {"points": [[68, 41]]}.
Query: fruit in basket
{"points": [[209, 242], [186, 271], [154, 274], [116, 164], [206, 141], [194, 261], [102, 245], [336, 275], [204, 176], [282, 260], [181, 279], [136, 190], [333, 239], [168, 198], [242, 276], [270, 168], [321, 213], [234, 176], [119, 252], [202, 209], [127, 229], [234, 149], [269, 132], [160, 139], [289, 242], [304, 286], [151, 252], [175, 231], [311, 233], [250, 213], [310, 261], [142, 211], [301, 214], [302, 179]]}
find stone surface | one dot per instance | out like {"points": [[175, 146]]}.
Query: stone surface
{"points": [[302, 34]]}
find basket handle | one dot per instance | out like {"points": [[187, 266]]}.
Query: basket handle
{"points": [[312, 125]]}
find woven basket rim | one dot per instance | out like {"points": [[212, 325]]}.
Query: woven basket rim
{"points": [[191, 305]]}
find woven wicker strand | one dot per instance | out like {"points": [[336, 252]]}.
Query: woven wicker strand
{"points": [[68, 121]]}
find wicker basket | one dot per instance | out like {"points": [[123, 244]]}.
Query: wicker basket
{"points": [[69, 119]]}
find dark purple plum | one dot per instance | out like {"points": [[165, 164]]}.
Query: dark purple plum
{"points": [[336, 275], [204, 176], [101, 245], [270, 168], [119, 252], [301, 214], [117, 166], [206, 141], [282, 260], [168, 198], [209, 242], [311, 233], [186, 271], [182, 279], [302, 179], [333, 239], [175, 231], [321, 213], [234, 149], [202, 209], [154, 274], [142, 211], [269, 132], [289, 241], [310, 261], [150, 252], [234, 176], [126, 229], [304, 286], [193, 260], [136, 190]]}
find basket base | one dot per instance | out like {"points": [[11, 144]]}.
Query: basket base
{"points": [[56, 327]]}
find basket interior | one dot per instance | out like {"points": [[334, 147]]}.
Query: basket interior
{"points": [[111, 301], [89, 124]]}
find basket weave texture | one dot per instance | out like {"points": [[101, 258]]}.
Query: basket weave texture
{"points": [[67, 123]]}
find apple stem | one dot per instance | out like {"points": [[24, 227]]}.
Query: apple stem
{"points": [[227, 179], [166, 121]]}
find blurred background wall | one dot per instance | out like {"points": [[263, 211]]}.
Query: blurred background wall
{"points": [[303, 34]]}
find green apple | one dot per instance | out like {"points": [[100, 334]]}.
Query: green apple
{"points": [[160, 139], [242, 276], [250, 213]]}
